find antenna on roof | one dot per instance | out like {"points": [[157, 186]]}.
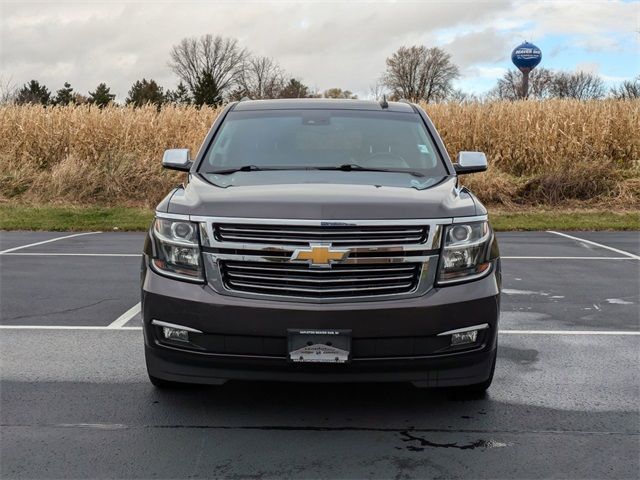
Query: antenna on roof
{"points": [[383, 103]]}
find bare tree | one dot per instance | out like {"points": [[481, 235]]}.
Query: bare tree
{"points": [[509, 87], [208, 57], [578, 85], [420, 73], [8, 90], [377, 90], [627, 90], [260, 78], [460, 96]]}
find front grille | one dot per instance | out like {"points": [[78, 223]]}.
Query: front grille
{"points": [[337, 235], [346, 280]]}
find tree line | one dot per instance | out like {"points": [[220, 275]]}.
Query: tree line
{"points": [[214, 69]]}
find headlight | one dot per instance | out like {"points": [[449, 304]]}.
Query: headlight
{"points": [[464, 256], [177, 252]]}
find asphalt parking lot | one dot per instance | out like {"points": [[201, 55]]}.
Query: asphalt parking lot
{"points": [[75, 401]]}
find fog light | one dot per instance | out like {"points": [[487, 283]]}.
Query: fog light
{"points": [[175, 334], [463, 338]]}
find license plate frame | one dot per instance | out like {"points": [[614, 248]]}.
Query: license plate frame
{"points": [[327, 346]]}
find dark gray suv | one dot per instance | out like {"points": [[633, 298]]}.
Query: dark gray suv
{"points": [[322, 241]]}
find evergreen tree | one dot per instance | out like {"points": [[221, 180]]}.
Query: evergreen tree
{"points": [[143, 92], [102, 96], [339, 93], [64, 96], [179, 96], [294, 89], [206, 91], [33, 92]]}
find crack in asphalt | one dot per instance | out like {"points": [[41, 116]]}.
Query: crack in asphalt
{"points": [[465, 446], [66, 310]]}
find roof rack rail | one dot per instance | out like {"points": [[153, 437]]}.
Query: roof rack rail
{"points": [[404, 100], [244, 99], [383, 103]]}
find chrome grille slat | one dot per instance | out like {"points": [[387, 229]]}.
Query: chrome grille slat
{"points": [[386, 259], [323, 290], [343, 235], [316, 280], [224, 228], [322, 272], [334, 241], [345, 280]]}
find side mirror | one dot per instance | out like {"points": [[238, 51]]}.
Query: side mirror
{"points": [[177, 159], [470, 162]]}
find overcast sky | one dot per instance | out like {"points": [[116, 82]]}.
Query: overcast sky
{"points": [[325, 43]]}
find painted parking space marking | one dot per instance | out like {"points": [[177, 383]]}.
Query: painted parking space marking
{"points": [[3, 252], [123, 319], [568, 258], [570, 332], [45, 254], [595, 244], [67, 327]]}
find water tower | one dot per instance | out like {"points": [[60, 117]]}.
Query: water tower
{"points": [[526, 57]]}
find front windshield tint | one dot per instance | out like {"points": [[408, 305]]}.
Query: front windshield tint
{"points": [[324, 138]]}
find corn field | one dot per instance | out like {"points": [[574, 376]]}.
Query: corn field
{"points": [[552, 153]]}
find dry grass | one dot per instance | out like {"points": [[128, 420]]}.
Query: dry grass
{"points": [[565, 153], [550, 153]]}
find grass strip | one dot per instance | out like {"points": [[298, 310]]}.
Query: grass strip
{"points": [[71, 219]]}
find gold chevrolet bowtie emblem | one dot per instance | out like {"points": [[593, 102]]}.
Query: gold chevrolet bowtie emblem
{"points": [[319, 255]]}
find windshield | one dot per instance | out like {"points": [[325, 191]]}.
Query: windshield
{"points": [[308, 139]]}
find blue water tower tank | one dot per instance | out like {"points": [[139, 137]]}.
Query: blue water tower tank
{"points": [[526, 56]]}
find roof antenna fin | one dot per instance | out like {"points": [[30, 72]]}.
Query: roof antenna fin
{"points": [[383, 103]]}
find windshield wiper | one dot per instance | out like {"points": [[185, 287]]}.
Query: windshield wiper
{"points": [[350, 167], [346, 167], [244, 168]]}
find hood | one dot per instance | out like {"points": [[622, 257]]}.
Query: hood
{"points": [[322, 201]]}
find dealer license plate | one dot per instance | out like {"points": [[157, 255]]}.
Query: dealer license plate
{"points": [[319, 346]]}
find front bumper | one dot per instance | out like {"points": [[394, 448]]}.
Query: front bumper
{"points": [[392, 341]]}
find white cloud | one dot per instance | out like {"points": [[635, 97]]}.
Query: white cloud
{"points": [[486, 72], [327, 44], [594, 67], [596, 25], [587, 67]]}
